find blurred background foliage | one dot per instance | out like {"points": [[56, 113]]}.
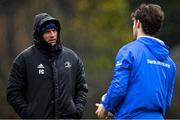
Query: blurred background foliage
{"points": [[95, 29]]}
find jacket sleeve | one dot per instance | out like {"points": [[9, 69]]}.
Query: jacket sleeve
{"points": [[170, 89], [81, 89], [118, 88], [16, 87]]}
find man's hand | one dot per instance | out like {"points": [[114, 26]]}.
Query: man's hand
{"points": [[101, 112]]}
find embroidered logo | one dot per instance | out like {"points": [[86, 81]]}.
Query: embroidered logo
{"points": [[67, 64], [118, 63], [155, 62], [41, 69]]}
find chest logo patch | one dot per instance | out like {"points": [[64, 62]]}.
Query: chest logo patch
{"points": [[41, 69], [67, 64]]}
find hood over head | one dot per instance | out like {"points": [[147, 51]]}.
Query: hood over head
{"points": [[40, 21], [158, 49]]}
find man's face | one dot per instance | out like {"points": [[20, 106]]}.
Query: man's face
{"points": [[50, 36], [134, 29]]}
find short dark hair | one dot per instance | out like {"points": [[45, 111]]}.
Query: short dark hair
{"points": [[151, 16]]}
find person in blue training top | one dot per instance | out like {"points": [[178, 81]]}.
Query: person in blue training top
{"points": [[144, 74]]}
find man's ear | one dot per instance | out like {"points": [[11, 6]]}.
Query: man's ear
{"points": [[138, 24]]}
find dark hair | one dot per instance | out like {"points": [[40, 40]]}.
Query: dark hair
{"points": [[151, 16]]}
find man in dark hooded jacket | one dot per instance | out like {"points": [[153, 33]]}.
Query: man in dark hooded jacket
{"points": [[47, 80]]}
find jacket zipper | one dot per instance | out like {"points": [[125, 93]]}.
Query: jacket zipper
{"points": [[55, 79]]}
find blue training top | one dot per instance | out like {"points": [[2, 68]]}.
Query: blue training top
{"points": [[143, 80]]}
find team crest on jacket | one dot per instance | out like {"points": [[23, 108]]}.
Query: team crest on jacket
{"points": [[40, 69], [67, 64]]}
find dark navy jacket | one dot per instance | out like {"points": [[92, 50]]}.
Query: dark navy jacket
{"points": [[47, 81]]}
